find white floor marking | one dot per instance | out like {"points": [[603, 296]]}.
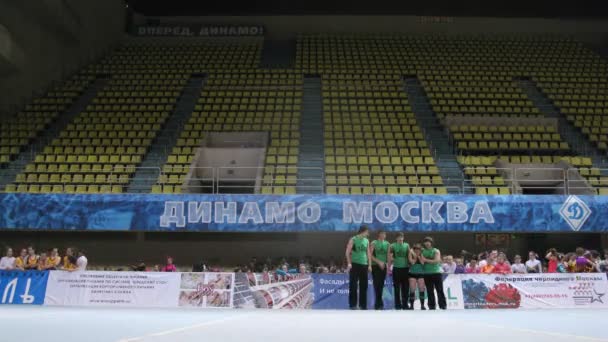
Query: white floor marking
{"points": [[181, 329], [540, 332]]}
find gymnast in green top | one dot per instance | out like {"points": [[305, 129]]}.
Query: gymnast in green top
{"points": [[416, 277], [433, 279]]}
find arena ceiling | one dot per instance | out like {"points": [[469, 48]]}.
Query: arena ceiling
{"points": [[486, 8]]}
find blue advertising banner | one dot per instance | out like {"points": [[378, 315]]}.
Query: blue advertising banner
{"points": [[297, 213], [18, 287], [330, 291]]}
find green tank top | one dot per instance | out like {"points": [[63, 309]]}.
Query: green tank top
{"points": [[359, 252], [400, 254], [380, 250], [431, 268]]}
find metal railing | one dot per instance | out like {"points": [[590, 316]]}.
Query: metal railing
{"points": [[217, 180]]}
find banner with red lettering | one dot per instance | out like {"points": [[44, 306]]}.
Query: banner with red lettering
{"points": [[534, 291]]}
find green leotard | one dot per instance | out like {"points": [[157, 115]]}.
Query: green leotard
{"points": [[359, 252], [380, 250], [400, 254], [416, 269]]}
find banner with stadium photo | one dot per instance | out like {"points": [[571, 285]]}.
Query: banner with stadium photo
{"points": [[206, 290], [534, 291], [273, 291]]}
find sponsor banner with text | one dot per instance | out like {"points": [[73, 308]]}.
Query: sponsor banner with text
{"points": [[330, 291], [535, 291], [140, 289], [136, 289]]}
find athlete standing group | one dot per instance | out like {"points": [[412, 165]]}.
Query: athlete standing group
{"points": [[413, 268]]}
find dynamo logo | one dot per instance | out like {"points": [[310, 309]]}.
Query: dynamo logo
{"points": [[575, 212]]}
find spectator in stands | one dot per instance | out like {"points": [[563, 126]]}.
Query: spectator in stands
{"points": [[472, 266], [533, 265], [69, 260], [490, 259], [200, 267], [604, 263], [303, 269], [594, 259], [460, 269], [169, 266], [82, 261], [253, 264], [433, 280], [7, 262], [571, 262], [21, 260], [502, 266], [141, 267], [42, 261], [552, 259], [582, 261], [449, 266], [284, 272], [54, 260], [487, 268], [562, 266], [518, 267], [32, 259]]}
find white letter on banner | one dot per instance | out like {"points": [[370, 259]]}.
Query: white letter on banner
{"points": [[430, 212], [199, 212], [406, 212], [243, 30], [9, 287], [229, 212], [204, 31], [251, 211], [26, 297], [174, 213], [457, 212], [315, 212], [280, 212], [357, 212], [383, 216], [481, 211], [232, 31]]}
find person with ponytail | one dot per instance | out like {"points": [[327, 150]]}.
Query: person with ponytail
{"points": [[358, 258]]}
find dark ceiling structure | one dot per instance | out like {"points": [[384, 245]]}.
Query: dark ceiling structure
{"points": [[453, 8]]}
